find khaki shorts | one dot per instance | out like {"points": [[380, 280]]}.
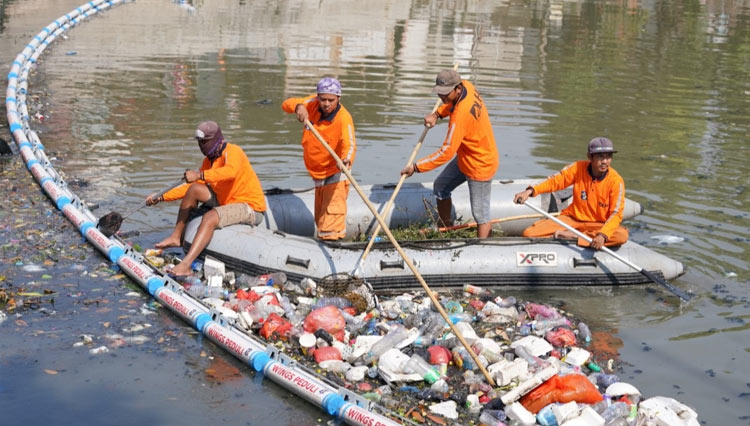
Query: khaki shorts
{"points": [[232, 214]]}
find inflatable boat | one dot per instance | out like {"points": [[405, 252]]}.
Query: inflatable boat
{"points": [[284, 242]]}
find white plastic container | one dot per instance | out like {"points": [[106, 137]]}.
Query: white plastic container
{"points": [[577, 356], [588, 417]]}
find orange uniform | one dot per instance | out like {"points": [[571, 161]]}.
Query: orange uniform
{"points": [[470, 137], [232, 179], [337, 129], [331, 187], [597, 205]]}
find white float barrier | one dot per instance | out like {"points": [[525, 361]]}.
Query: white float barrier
{"points": [[263, 358]]}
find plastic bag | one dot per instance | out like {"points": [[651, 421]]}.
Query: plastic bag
{"points": [[327, 353], [329, 318], [571, 387], [561, 337], [275, 324]]}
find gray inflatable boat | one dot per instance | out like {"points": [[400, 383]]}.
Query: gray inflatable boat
{"points": [[284, 242]]}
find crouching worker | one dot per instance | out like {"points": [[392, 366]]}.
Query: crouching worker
{"points": [[598, 199], [225, 182]]}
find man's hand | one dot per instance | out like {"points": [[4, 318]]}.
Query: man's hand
{"points": [[430, 120], [598, 242], [408, 170], [152, 199], [192, 175], [301, 113], [522, 196]]}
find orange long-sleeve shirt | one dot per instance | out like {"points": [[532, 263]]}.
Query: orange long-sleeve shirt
{"points": [[231, 177], [593, 200], [337, 130], [470, 137]]}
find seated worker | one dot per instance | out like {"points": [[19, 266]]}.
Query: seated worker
{"points": [[335, 125], [226, 182], [598, 199]]}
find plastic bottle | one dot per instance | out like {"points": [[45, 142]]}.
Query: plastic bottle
{"points": [[388, 341], [618, 410], [431, 329], [203, 291], [535, 363], [417, 364], [463, 316], [338, 302], [492, 417], [584, 332], [272, 279], [549, 324]]}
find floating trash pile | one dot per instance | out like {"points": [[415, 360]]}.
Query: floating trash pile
{"points": [[400, 353]]}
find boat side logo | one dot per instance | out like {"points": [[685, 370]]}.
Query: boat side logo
{"points": [[536, 258]]}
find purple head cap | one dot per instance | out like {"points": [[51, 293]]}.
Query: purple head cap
{"points": [[329, 85], [210, 139]]}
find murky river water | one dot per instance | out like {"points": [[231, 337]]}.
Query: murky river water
{"points": [[667, 81]]}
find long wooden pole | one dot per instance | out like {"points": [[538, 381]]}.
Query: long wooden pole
{"points": [[676, 291], [408, 261], [499, 220], [356, 271]]}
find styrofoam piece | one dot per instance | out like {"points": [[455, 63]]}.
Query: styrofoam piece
{"points": [[214, 281], [505, 371], [663, 411], [446, 409], [526, 386], [356, 374], [520, 414], [565, 412], [588, 417], [622, 388], [362, 345], [577, 356], [213, 267], [535, 345]]}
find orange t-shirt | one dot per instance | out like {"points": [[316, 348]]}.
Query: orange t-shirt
{"points": [[231, 177], [337, 129], [469, 137], [593, 200]]}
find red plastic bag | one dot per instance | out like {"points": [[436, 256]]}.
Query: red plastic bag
{"points": [[562, 389], [561, 337], [328, 318], [275, 324], [327, 353]]}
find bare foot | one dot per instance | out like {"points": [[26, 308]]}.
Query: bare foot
{"points": [[564, 234], [180, 269], [168, 242]]}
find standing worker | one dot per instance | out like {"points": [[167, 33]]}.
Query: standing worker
{"points": [[333, 122], [471, 140], [226, 182], [598, 199]]}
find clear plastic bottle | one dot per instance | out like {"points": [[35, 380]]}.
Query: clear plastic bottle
{"points": [[487, 418], [417, 364], [615, 412], [273, 279], [203, 291], [431, 329], [535, 363], [549, 324], [584, 333], [338, 302], [388, 341]]}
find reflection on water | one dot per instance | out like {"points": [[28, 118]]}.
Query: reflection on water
{"points": [[666, 80]]}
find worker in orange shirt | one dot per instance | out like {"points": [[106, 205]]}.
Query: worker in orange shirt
{"points": [[598, 199], [471, 141], [225, 182], [335, 125]]}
